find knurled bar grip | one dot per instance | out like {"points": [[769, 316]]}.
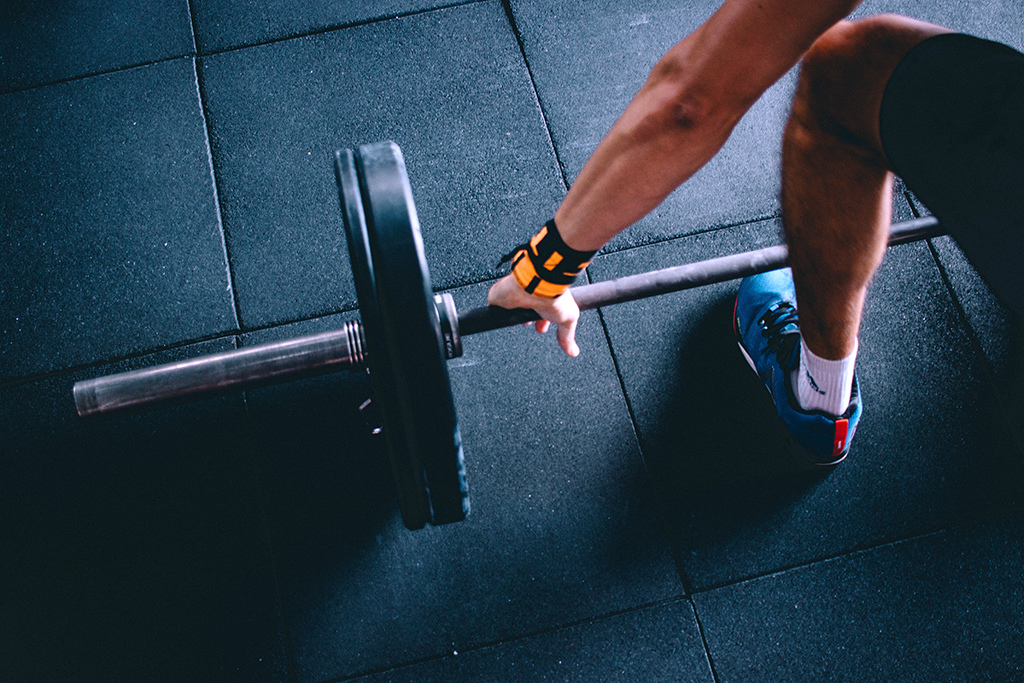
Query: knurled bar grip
{"points": [[345, 348]]}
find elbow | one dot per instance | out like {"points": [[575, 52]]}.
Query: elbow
{"points": [[690, 97], [693, 119], [688, 112], [687, 109]]}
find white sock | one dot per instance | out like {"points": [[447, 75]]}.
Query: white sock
{"points": [[822, 384]]}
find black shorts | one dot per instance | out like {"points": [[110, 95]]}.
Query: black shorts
{"points": [[952, 123]]}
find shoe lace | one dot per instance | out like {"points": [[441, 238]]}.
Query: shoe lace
{"points": [[780, 325]]}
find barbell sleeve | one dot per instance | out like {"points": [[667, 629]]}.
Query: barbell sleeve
{"points": [[269, 363]]}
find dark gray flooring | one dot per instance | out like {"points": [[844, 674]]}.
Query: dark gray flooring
{"points": [[170, 193]]}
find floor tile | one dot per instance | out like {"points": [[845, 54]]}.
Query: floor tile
{"points": [[1001, 20], [931, 450], [997, 332], [660, 643], [112, 241], [588, 62], [562, 527], [45, 42], [449, 87], [990, 321], [134, 547], [227, 24], [942, 608]]}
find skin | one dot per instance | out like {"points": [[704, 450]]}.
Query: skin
{"points": [[836, 178], [683, 115]]}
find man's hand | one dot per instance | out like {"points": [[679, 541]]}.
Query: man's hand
{"points": [[562, 311]]}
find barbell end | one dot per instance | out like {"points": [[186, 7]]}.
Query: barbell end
{"points": [[86, 403], [224, 372]]}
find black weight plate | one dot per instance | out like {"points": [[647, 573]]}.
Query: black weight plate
{"points": [[407, 471], [411, 330], [406, 348]]}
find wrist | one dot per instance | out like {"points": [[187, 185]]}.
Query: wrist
{"points": [[546, 266]]}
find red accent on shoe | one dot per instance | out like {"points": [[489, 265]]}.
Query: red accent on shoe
{"points": [[735, 322], [840, 439]]}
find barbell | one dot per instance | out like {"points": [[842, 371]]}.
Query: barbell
{"points": [[405, 336]]}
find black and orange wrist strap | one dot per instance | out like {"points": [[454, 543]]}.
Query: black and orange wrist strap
{"points": [[546, 266]]}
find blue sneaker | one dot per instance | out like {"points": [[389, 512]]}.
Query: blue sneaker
{"points": [[768, 332]]}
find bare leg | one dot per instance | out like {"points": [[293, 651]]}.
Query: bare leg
{"points": [[836, 182]]}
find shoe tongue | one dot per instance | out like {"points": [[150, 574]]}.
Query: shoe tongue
{"points": [[789, 348]]}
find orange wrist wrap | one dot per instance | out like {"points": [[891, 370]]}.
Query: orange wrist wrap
{"points": [[546, 265]]}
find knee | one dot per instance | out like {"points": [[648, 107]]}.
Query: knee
{"points": [[830, 68], [852, 61], [844, 73], [822, 91]]}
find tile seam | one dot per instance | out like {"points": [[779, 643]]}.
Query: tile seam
{"points": [[253, 446], [702, 231], [215, 186], [970, 332], [1008, 512], [515, 639], [470, 281], [703, 640], [81, 367], [981, 358], [97, 74], [192, 27], [339, 27], [514, 26], [99, 363], [677, 556]]}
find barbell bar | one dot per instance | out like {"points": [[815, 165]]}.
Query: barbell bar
{"points": [[406, 334], [345, 348]]}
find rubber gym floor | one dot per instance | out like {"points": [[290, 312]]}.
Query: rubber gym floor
{"points": [[168, 192]]}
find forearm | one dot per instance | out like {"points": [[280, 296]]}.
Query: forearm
{"points": [[686, 110], [655, 146]]}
